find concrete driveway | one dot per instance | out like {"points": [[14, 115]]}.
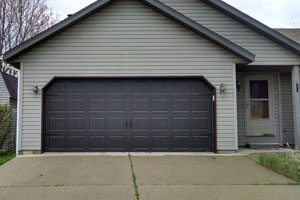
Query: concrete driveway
{"points": [[157, 177]]}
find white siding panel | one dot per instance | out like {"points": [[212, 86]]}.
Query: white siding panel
{"points": [[243, 139], [267, 52], [4, 95], [104, 45]]}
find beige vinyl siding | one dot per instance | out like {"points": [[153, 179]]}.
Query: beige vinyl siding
{"points": [[267, 52], [126, 38], [243, 139], [287, 109], [4, 95]]}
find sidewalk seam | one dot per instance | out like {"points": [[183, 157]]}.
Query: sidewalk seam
{"points": [[137, 195]]}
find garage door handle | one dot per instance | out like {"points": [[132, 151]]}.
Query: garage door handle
{"points": [[126, 124], [130, 124]]}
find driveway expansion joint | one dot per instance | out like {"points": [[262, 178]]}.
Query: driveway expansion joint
{"points": [[137, 195]]}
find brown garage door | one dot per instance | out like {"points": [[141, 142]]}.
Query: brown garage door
{"points": [[161, 114]]}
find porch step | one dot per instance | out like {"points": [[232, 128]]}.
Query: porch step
{"points": [[262, 145]]}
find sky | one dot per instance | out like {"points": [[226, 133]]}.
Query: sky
{"points": [[274, 13]]}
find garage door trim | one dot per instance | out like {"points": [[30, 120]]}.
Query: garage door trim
{"points": [[130, 77]]}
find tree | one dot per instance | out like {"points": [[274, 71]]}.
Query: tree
{"points": [[23, 19]]}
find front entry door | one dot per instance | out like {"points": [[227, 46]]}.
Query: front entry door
{"points": [[259, 105]]}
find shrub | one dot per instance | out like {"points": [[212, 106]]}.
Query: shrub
{"points": [[5, 123]]}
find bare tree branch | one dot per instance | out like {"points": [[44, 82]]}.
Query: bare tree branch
{"points": [[23, 19]]}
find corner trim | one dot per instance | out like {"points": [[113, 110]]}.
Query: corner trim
{"points": [[296, 105], [235, 119], [19, 109]]}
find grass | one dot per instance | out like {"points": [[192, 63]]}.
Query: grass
{"points": [[137, 194], [283, 163], [4, 157]]}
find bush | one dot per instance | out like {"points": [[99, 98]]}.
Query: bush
{"points": [[284, 163], [5, 123]]}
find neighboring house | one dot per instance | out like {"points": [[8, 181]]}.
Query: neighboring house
{"points": [[149, 75], [8, 96], [292, 33]]}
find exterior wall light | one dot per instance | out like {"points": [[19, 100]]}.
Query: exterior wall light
{"points": [[238, 85], [222, 88], [35, 89]]}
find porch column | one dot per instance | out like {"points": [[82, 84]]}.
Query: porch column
{"points": [[296, 105]]}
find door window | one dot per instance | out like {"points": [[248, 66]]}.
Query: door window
{"points": [[259, 99]]}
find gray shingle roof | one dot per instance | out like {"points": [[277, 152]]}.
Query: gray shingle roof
{"points": [[292, 33], [11, 83]]}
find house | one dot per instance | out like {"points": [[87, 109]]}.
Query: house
{"points": [[292, 33], [8, 96], [149, 75]]}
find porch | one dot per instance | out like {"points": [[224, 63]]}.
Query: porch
{"points": [[268, 106]]}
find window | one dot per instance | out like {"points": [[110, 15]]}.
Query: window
{"points": [[259, 99]]}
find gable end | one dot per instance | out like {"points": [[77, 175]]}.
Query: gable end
{"points": [[156, 5]]}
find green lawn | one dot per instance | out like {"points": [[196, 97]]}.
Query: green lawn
{"points": [[287, 164], [4, 157]]}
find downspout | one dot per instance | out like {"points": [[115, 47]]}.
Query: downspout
{"points": [[18, 110]]}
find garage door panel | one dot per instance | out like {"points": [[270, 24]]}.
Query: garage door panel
{"points": [[116, 124], [58, 87], [97, 87], [97, 124], [128, 115], [56, 124], [159, 105], [76, 105], [56, 105], [76, 142], [97, 105], [202, 143], [116, 142], [161, 142], [181, 105], [159, 86], [141, 124], [116, 105], [181, 142], [76, 124], [55, 142], [140, 86], [116, 87], [180, 86], [97, 142], [160, 124], [76, 86], [140, 105], [201, 124], [181, 124], [141, 142], [200, 105]]}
